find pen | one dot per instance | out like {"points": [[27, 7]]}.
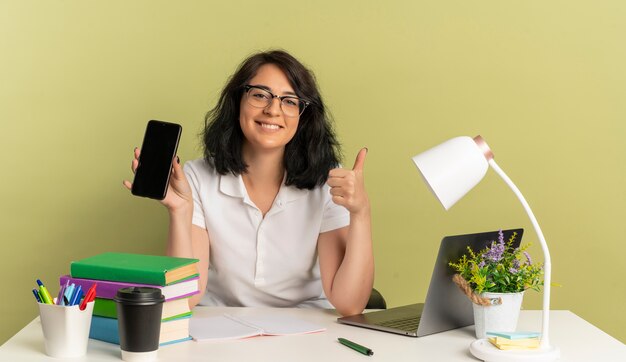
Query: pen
{"points": [[63, 299], [45, 296], [356, 347], [79, 297], [36, 293], [60, 295], [78, 293]]}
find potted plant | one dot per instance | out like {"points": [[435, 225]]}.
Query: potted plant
{"points": [[495, 279]]}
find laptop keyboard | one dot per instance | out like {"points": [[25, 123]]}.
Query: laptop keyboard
{"points": [[404, 324]]}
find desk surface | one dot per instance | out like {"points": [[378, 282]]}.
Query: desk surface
{"points": [[577, 339]]}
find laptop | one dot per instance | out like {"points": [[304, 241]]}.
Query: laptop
{"points": [[446, 307]]}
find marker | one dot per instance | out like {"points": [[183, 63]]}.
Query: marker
{"points": [[36, 293], [69, 291], [356, 347], [89, 297], [45, 296]]}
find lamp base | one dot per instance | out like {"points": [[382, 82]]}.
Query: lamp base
{"points": [[484, 350]]}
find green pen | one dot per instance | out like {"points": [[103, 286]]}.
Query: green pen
{"points": [[356, 347]]}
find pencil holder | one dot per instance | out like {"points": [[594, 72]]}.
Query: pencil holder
{"points": [[65, 329]]}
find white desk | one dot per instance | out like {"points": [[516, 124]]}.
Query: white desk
{"points": [[577, 339]]}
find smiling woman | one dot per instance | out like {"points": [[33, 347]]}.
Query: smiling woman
{"points": [[267, 212]]}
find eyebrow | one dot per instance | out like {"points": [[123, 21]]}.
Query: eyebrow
{"points": [[289, 93]]}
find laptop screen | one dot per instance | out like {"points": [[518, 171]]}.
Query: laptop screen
{"points": [[446, 307]]}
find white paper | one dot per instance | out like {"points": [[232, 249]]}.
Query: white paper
{"points": [[283, 325], [219, 328], [226, 327]]}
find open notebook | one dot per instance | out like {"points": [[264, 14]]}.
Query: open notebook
{"points": [[228, 327]]}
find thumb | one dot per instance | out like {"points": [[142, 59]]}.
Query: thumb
{"points": [[360, 160], [176, 167]]}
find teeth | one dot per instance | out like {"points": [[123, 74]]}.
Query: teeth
{"points": [[269, 126]]}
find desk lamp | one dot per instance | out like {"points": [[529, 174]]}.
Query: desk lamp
{"points": [[453, 168]]}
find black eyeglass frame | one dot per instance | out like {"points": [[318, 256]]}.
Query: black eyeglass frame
{"points": [[306, 103]]}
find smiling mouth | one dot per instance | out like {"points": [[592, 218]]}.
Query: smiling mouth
{"points": [[269, 125]]}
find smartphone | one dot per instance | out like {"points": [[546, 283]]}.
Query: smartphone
{"points": [[155, 161]]}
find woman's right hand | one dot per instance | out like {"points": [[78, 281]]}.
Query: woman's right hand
{"points": [[179, 194]]}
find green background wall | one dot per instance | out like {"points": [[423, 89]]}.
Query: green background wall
{"points": [[544, 82]]}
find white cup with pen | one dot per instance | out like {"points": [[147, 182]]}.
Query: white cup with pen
{"points": [[65, 320]]}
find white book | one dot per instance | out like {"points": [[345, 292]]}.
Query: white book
{"points": [[175, 308], [228, 327], [175, 325]]}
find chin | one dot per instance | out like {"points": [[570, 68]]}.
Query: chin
{"points": [[267, 145]]}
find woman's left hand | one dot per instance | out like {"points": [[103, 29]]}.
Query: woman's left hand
{"points": [[348, 186]]}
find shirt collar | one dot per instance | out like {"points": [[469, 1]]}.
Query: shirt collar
{"points": [[232, 185]]}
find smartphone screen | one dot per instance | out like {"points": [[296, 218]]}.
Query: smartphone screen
{"points": [[155, 161]]}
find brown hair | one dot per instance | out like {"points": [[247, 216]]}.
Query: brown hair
{"points": [[311, 153]]}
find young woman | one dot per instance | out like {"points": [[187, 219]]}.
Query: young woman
{"points": [[267, 212]]}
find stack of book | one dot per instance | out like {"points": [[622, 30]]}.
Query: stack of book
{"points": [[514, 340], [176, 277]]}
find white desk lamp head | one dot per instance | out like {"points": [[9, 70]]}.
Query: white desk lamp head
{"points": [[454, 167]]}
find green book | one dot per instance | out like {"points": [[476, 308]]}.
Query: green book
{"points": [[135, 268], [172, 309], [105, 308]]}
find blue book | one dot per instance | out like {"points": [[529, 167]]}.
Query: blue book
{"points": [[172, 331], [104, 329], [514, 335]]}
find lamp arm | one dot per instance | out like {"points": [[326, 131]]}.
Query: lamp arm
{"points": [[547, 267]]}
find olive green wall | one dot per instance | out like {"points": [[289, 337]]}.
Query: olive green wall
{"points": [[543, 81]]}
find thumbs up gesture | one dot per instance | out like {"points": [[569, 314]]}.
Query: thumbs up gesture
{"points": [[347, 187]]}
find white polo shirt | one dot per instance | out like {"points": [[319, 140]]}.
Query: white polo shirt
{"points": [[256, 261]]}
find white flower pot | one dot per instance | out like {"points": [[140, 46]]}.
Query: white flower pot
{"points": [[498, 318]]}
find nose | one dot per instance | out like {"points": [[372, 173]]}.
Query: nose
{"points": [[273, 108]]}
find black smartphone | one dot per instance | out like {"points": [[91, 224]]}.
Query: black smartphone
{"points": [[155, 161]]}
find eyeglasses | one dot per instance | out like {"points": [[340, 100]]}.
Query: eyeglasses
{"points": [[258, 97]]}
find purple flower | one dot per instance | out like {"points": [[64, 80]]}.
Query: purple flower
{"points": [[515, 267], [481, 264], [530, 261], [497, 249]]}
